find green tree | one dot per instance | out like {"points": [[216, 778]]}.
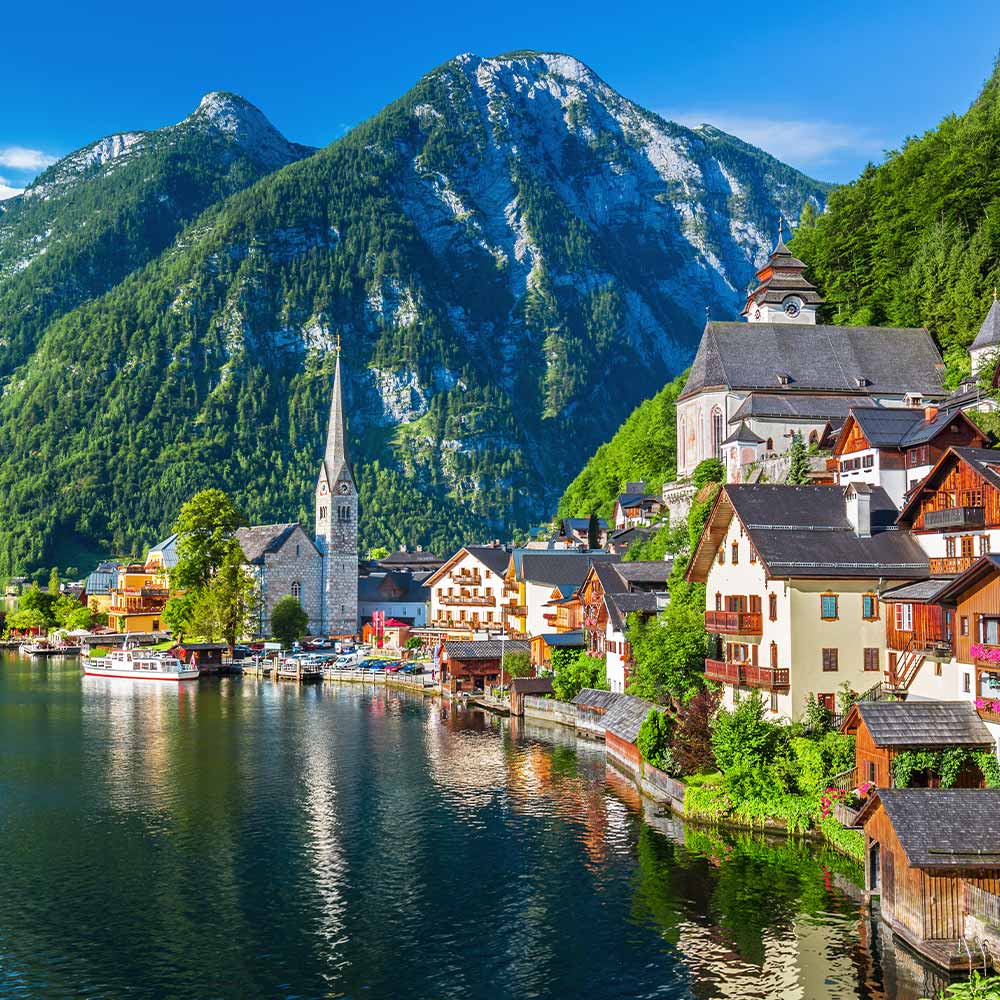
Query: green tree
{"points": [[54, 581], [654, 738], [63, 608], [378, 552], [518, 664], [798, 468], [222, 610], [743, 739], [593, 531], [708, 470], [177, 614], [35, 599], [27, 618], [289, 620], [573, 670], [205, 527], [79, 618]]}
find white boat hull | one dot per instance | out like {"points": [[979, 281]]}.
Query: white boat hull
{"points": [[186, 674]]}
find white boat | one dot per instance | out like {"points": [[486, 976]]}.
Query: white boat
{"points": [[140, 664]]}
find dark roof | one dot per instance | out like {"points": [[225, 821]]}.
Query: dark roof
{"points": [[804, 406], [643, 571], [748, 356], [594, 698], [743, 435], [560, 640], [902, 427], [493, 557], [262, 539], [637, 500], [373, 587], [412, 559], [531, 685], [582, 523], [484, 649], [945, 827], [921, 592], [989, 332], [626, 715], [803, 531], [924, 724], [560, 567], [621, 605]]}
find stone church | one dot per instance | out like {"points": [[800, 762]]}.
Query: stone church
{"points": [[322, 572]]}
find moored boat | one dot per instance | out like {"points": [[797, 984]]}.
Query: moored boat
{"points": [[139, 664]]}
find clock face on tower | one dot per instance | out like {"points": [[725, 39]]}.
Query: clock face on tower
{"points": [[322, 489], [792, 308], [344, 489]]}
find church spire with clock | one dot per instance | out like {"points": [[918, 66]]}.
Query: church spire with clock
{"points": [[337, 523], [782, 295]]}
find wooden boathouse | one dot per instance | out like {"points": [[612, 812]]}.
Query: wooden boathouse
{"points": [[933, 858]]}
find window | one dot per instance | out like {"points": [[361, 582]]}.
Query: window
{"points": [[753, 554], [984, 545], [871, 658], [772, 607], [774, 655], [718, 602], [717, 432], [989, 631], [774, 700], [964, 625], [869, 607], [904, 617], [322, 513], [828, 607], [814, 437], [297, 590], [968, 545], [919, 456], [830, 660], [966, 685], [871, 771], [735, 553], [156, 624], [937, 669], [949, 548], [769, 444], [867, 462], [722, 555]]}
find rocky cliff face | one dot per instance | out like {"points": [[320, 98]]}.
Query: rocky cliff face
{"points": [[513, 254]]}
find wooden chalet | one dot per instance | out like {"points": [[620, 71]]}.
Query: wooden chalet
{"points": [[468, 667], [933, 858], [543, 645], [883, 729]]}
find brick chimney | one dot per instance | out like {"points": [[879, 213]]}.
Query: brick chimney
{"points": [[930, 414]]}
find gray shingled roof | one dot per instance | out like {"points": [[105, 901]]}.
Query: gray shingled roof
{"points": [[595, 699], [372, 587], [748, 356], [626, 715], [924, 724], [803, 531], [493, 557], [261, 539], [562, 640], [743, 435], [946, 827], [921, 592], [989, 332], [621, 605], [560, 568], [484, 649], [804, 406], [902, 427], [645, 571], [531, 685]]}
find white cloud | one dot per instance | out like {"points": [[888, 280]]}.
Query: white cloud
{"points": [[800, 142], [6, 191], [20, 158]]}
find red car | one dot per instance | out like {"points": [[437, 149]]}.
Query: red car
{"points": [[393, 668]]}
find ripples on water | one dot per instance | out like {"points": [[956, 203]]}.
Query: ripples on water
{"points": [[245, 839]]}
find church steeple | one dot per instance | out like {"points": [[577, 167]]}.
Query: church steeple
{"points": [[782, 295], [337, 522], [336, 462], [987, 341]]}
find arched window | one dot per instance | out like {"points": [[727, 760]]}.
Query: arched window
{"points": [[297, 590], [717, 432], [814, 436], [769, 444]]}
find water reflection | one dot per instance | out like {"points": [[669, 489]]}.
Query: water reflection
{"points": [[240, 838]]}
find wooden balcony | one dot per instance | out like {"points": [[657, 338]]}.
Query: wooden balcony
{"points": [[769, 678], [467, 600], [954, 518], [950, 565], [517, 610], [734, 622], [465, 578]]}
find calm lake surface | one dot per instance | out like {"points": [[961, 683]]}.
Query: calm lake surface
{"points": [[238, 838]]}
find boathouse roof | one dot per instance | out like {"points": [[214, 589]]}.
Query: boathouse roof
{"points": [[624, 718], [911, 723], [484, 649], [956, 828]]}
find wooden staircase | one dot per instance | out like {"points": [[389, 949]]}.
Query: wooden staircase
{"points": [[908, 664]]}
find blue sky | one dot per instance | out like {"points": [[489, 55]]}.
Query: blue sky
{"points": [[825, 86]]}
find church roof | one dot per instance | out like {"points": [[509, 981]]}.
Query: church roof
{"points": [[336, 461], [794, 357], [262, 539], [743, 435], [989, 332], [805, 406]]}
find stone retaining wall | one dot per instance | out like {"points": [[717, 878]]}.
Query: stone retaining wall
{"points": [[548, 708]]}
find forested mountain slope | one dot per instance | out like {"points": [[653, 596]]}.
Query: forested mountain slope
{"points": [[107, 209], [513, 254], [915, 241]]}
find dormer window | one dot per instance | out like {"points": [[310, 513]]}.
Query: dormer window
{"points": [[784, 378], [913, 399], [860, 381]]}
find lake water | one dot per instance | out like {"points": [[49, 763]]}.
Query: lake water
{"points": [[239, 838]]}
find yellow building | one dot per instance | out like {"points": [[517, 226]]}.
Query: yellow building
{"points": [[141, 591]]}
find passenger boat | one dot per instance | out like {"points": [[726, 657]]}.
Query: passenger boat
{"points": [[140, 664], [44, 647]]}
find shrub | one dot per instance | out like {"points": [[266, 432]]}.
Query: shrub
{"points": [[653, 740], [710, 470], [692, 743], [744, 738]]}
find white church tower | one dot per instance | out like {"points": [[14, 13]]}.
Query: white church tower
{"points": [[782, 294], [337, 524], [987, 341]]}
